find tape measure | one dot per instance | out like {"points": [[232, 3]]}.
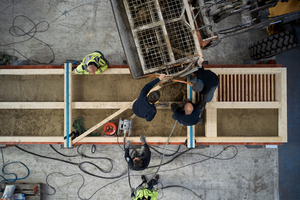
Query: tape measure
{"points": [[110, 128]]}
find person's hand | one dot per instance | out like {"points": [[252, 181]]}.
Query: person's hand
{"points": [[143, 139], [191, 84], [162, 76], [127, 144]]}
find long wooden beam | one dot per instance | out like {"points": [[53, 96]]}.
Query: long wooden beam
{"points": [[135, 140], [246, 105], [75, 105], [126, 71]]}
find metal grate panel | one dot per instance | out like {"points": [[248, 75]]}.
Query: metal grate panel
{"points": [[171, 9], [143, 12], [181, 39], [153, 47]]}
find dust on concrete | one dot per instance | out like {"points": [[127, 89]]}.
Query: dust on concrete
{"points": [[247, 122], [92, 88]]}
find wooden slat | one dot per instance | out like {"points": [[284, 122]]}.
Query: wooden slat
{"points": [[243, 87], [239, 77], [257, 88], [231, 86], [211, 122], [235, 88], [268, 88], [250, 88], [227, 88], [224, 88], [247, 91], [237, 105], [221, 87], [261, 88], [272, 88]]}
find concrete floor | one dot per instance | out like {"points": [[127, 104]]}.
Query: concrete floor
{"points": [[78, 28]]}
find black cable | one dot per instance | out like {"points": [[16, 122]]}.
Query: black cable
{"points": [[79, 165], [160, 153], [63, 154], [170, 186], [33, 31], [208, 157], [83, 155], [83, 181]]}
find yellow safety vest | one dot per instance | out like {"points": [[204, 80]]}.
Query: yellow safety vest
{"points": [[144, 192], [93, 57]]}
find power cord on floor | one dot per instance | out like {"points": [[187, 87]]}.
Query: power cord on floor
{"points": [[83, 181], [31, 33], [79, 165], [7, 174]]}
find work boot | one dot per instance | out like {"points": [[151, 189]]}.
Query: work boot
{"points": [[143, 177], [157, 177]]}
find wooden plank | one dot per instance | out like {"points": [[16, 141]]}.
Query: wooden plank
{"points": [[261, 88], [221, 87], [224, 88], [239, 77], [75, 105], [253, 105], [67, 104], [56, 71], [282, 112], [250, 88], [31, 71], [247, 91], [235, 88], [211, 121], [268, 88], [272, 87], [190, 129], [134, 140], [103, 122], [257, 87], [265, 86], [227, 88], [243, 88], [245, 70], [31, 105], [231, 87]]}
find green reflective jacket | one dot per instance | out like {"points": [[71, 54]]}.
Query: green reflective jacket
{"points": [[144, 192], [93, 57]]}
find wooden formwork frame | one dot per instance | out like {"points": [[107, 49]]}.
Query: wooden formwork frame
{"points": [[211, 136]]}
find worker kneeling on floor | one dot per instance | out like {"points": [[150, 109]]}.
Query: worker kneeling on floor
{"points": [[144, 106], [138, 161], [145, 193], [93, 63]]}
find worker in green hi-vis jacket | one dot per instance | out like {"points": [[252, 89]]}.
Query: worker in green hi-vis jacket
{"points": [[93, 63], [145, 193]]}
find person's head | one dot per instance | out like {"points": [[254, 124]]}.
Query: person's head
{"points": [[198, 86], [144, 198], [137, 162], [91, 68], [153, 97], [188, 108]]}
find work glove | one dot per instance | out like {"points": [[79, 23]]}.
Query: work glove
{"points": [[143, 139], [132, 192], [127, 144]]}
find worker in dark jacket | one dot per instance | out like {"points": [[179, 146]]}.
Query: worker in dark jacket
{"points": [[138, 162], [189, 115], [93, 63], [144, 106], [205, 82]]}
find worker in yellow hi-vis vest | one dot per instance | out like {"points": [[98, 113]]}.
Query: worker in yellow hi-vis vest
{"points": [[93, 63]]}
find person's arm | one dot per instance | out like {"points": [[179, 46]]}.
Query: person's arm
{"points": [[147, 155], [128, 158], [146, 89], [101, 69], [151, 115], [79, 69]]}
